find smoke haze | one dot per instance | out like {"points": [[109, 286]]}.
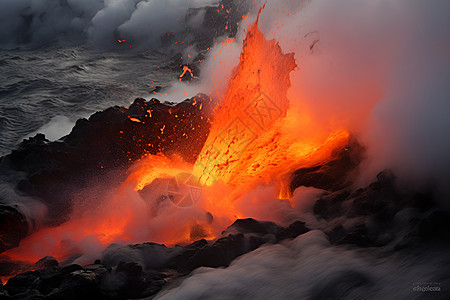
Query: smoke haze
{"points": [[35, 23]]}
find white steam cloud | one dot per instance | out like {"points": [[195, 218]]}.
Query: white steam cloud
{"points": [[309, 268], [56, 128]]}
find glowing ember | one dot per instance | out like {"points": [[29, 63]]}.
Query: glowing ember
{"points": [[185, 70]]}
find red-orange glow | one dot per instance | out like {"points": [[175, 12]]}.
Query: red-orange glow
{"points": [[254, 140], [254, 102], [251, 140], [154, 167]]}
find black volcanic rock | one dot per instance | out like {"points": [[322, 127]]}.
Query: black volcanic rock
{"points": [[101, 148], [221, 253], [380, 200], [140, 276], [333, 175], [250, 225], [435, 225], [46, 263], [359, 236], [370, 215], [21, 283], [330, 206], [77, 285], [243, 236], [292, 231], [13, 227]]}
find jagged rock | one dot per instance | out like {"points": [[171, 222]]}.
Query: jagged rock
{"points": [[380, 200], [292, 231], [243, 236], [377, 205], [46, 263], [336, 233], [334, 174], [250, 225], [131, 269], [359, 236], [222, 22], [330, 206], [13, 227], [71, 268], [150, 256], [21, 283], [77, 285]]}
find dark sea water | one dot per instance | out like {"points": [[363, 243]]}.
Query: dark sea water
{"points": [[48, 90]]}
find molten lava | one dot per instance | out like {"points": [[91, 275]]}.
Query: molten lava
{"points": [[251, 143]]}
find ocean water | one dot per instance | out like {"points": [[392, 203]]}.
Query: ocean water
{"points": [[49, 89]]}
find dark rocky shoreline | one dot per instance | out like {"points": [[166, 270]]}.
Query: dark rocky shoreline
{"points": [[115, 138]]}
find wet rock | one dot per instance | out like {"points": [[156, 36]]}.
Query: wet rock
{"points": [[131, 269], [336, 233], [220, 254], [46, 263], [13, 227], [49, 281], [359, 236], [150, 256], [223, 22], [330, 206], [71, 268], [380, 199], [292, 231], [21, 283], [243, 236], [78, 284], [250, 225]]}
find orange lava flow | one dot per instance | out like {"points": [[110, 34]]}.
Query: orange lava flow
{"points": [[250, 141], [253, 141]]}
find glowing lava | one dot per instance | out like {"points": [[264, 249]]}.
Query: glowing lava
{"points": [[251, 142]]}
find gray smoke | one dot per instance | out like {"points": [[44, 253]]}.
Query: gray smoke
{"points": [[35, 23]]}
